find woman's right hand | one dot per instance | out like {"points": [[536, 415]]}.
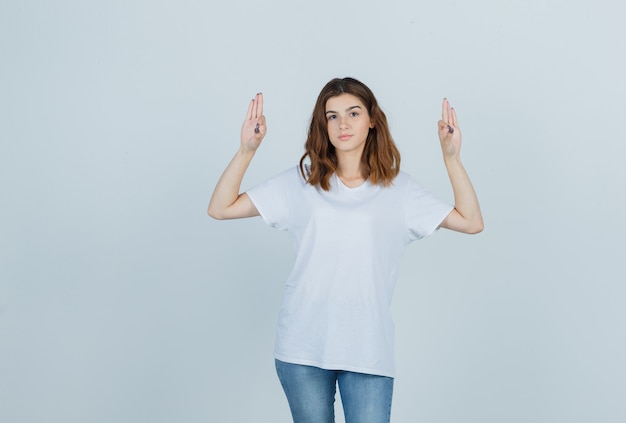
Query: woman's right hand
{"points": [[253, 129], [227, 202]]}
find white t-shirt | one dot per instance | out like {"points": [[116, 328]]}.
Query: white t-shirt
{"points": [[348, 242]]}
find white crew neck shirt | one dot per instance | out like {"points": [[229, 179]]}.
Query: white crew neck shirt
{"points": [[348, 242]]}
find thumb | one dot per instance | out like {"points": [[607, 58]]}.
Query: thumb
{"points": [[445, 126]]}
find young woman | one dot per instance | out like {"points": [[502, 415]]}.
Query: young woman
{"points": [[351, 213]]}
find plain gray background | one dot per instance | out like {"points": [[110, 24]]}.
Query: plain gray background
{"points": [[121, 301]]}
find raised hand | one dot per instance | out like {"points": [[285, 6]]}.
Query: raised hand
{"points": [[253, 128], [227, 202], [449, 131], [466, 216]]}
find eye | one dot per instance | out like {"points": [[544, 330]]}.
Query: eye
{"points": [[331, 117], [354, 114]]}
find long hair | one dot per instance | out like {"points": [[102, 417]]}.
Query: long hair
{"points": [[380, 154]]}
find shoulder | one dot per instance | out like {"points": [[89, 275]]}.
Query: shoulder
{"points": [[401, 181], [290, 178], [408, 187], [294, 175], [408, 181]]}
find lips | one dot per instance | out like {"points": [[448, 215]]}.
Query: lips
{"points": [[345, 137]]}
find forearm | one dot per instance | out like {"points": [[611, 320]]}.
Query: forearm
{"points": [[465, 199], [226, 191]]}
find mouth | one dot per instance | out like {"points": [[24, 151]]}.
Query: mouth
{"points": [[345, 137]]}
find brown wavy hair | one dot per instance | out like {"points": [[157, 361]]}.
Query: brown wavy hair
{"points": [[380, 154]]}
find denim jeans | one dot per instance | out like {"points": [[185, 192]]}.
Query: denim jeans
{"points": [[311, 394]]}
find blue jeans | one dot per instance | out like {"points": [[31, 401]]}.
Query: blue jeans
{"points": [[311, 394]]}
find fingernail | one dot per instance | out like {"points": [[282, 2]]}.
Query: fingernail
{"points": [[256, 129], [450, 129]]}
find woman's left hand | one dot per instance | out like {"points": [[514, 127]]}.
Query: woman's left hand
{"points": [[466, 216], [449, 131]]}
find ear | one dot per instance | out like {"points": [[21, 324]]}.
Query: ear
{"points": [[372, 124]]}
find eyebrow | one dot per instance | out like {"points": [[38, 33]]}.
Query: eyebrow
{"points": [[347, 110]]}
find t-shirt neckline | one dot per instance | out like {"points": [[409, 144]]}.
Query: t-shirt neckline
{"points": [[343, 186]]}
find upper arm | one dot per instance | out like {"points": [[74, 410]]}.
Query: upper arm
{"points": [[242, 207], [456, 222]]}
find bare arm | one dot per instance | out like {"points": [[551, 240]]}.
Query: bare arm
{"points": [[227, 202], [466, 216]]}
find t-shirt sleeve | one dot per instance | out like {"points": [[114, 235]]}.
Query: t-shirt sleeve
{"points": [[273, 198], [424, 211]]}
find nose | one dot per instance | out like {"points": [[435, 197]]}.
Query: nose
{"points": [[343, 122]]}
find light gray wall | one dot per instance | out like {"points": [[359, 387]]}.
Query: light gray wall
{"points": [[122, 301]]}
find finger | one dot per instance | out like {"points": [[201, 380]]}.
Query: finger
{"points": [[255, 107], [260, 104], [260, 126], [455, 122], [250, 106], [444, 129], [445, 110]]}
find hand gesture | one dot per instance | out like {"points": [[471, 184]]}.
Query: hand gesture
{"points": [[449, 131], [253, 129]]}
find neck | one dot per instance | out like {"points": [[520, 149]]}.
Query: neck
{"points": [[350, 168]]}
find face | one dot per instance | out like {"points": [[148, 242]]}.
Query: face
{"points": [[348, 123]]}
